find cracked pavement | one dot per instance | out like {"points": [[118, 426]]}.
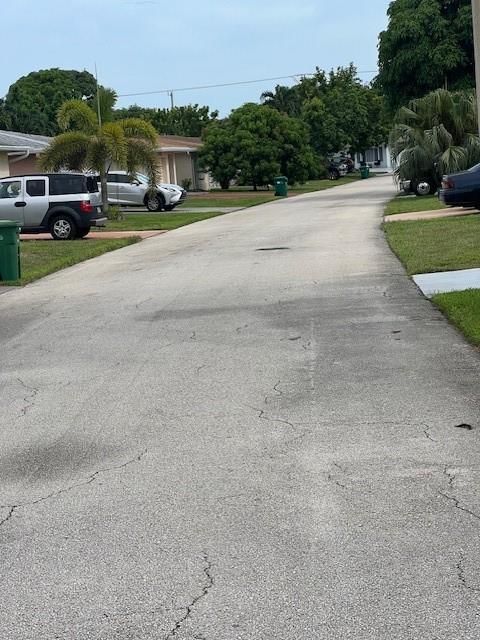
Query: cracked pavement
{"points": [[205, 441]]}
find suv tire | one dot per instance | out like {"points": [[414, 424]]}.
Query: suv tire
{"points": [[62, 227], [83, 232], [155, 203]]}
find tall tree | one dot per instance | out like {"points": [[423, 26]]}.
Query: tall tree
{"points": [[428, 44], [436, 134], [340, 111], [255, 144], [87, 144], [32, 102]]}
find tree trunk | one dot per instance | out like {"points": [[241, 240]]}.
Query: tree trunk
{"points": [[103, 184]]}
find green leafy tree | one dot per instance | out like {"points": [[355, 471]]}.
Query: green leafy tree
{"points": [[88, 144], [339, 110], [428, 44], [217, 153], [255, 144], [435, 135], [188, 120], [32, 102]]}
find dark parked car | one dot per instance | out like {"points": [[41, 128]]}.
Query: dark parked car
{"points": [[461, 189]]}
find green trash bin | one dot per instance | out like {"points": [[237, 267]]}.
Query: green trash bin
{"points": [[9, 250], [281, 186], [365, 172]]}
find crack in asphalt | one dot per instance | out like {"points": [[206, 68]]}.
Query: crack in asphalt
{"points": [[91, 478], [189, 609], [8, 516], [461, 575], [457, 504], [427, 433], [29, 399], [451, 476]]}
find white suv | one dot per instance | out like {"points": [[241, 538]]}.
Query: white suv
{"points": [[125, 189]]}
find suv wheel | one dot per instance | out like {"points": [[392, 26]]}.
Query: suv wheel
{"points": [[155, 202], [83, 232], [62, 227]]}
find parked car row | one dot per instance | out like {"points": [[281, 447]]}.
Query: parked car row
{"points": [[68, 205]]}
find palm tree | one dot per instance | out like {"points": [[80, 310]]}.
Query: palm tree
{"points": [[436, 135], [283, 99], [92, 142]]}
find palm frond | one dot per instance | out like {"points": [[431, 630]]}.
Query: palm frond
{"points": [[77, 115], [116, 142], [66, 151], [138, 128], [142, 156]]}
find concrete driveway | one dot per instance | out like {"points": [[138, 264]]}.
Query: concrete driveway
{"points": [[242, 430]]}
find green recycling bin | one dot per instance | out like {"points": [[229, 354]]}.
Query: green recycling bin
{"points": [[9, 250], [365, 172], [281, 186]]}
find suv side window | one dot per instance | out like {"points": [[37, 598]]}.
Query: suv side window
{"points": [[10, 189], [124, 179], [111, 177], [66, 184], [35, 188]]}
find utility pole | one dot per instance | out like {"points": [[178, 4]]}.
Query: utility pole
{"points": [[99, 111], [170, 93], [476, 39]]}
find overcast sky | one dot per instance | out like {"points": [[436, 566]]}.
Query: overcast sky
{"points": [[149, 45]]}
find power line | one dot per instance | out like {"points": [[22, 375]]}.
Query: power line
{"points": [[292, 76]]}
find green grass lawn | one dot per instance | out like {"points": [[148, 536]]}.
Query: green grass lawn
{"points": [[408, 204], [462, 308], [436, 245], [321, 185], [154, 221], [42, 257], [244, 197]]}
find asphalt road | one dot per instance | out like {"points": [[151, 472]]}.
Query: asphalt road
{"points": [[241, 430]]}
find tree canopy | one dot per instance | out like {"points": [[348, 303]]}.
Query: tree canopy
{"points": [[255, 144], [428, 44], [338, 109], [32, 102], [189, 120]]}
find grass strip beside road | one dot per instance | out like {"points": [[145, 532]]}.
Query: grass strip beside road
{"points": [[410, 204], [462, 308], [39, 258], [444, 244], [244, 198], [157, 221]]}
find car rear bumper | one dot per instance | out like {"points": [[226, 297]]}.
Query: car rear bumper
{"points": [[453, 198], [98, 222]]}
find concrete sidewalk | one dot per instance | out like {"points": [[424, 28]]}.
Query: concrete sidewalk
{"points": [[430, 215]]}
